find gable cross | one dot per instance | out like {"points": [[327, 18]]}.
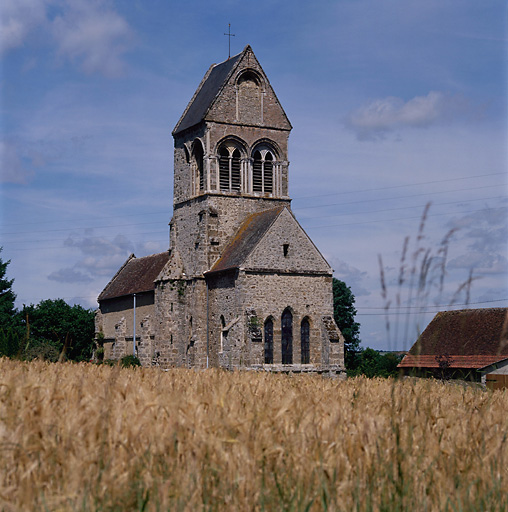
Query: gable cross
{"points": [[230, 35]]}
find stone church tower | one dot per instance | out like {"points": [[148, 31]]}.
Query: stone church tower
{"points": [[242, 285]]}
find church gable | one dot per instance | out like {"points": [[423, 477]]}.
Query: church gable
{"points": [[286, 247], [247, 97], [137, 275]]}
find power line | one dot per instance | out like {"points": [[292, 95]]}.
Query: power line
{"points": [[405, 207], [88, 227], [399, 186], [297, 209], [137, 214], [403, 218], [465, 212], [438, 306], [397, 197], [359, 191]]}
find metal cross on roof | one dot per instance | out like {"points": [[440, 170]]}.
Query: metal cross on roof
{"points": [[230, 35]]}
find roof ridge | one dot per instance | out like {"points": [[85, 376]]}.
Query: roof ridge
{"points": [[151, 255]]}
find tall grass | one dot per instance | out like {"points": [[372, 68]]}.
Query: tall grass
{"points": [[84, 437], [420, 279]]}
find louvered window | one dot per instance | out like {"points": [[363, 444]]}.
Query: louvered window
{"points": [[262, 172], [230, 169]]}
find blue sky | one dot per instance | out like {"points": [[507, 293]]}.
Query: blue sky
{"points": [[394, 105]]}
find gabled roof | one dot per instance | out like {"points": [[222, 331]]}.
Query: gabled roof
{"points": [[470, 338], [206, 93], [137, 275], [250, 233], [209, 92]]}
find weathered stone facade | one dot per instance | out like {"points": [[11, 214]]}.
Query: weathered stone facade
{"points": [[243, 285]]}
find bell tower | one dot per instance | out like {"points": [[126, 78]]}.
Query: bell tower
{"points": [[230, 159]]}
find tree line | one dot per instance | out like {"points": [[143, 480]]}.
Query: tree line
{"points": [[51, 330]]}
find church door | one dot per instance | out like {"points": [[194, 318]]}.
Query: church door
{"points": [[287, 337]]}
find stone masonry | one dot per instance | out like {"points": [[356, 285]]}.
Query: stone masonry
{"points": [[242, 285]]}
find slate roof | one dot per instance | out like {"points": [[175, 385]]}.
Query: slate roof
{"points": [[137, 275], [473, 338], [247, 237], [206, 93]]}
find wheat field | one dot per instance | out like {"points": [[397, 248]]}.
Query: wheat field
{"points": [[85, 437]]}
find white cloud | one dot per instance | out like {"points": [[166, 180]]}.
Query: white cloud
{"points": [[486, 231], [100, 257], [87, 33], [17, 19], [352, 276], [376, 118], [13, 170], [93, 36], [69, 275], [480, 263]]}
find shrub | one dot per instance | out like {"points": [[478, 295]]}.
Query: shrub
{"points": [[129, 361]]}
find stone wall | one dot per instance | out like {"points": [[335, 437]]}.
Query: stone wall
{"points": [[246, 300], [204, 226], [115, 319]]}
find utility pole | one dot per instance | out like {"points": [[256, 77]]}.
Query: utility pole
{"points": [[134, 328]]}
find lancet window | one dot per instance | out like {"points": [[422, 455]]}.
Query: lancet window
{"points": [[305, 341], [287, 337], [269, 341]]}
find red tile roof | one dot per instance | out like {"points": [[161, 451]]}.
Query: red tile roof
{"points": [[472, 338], [137, 275], [454, 361]]}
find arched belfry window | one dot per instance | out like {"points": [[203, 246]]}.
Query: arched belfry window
{"points": [[305, 341], [287, 337], [230, 169], [197, 155], [262, 171], [269, 341]]}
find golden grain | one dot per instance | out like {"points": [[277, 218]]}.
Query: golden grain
{"points": [[85, 437]]}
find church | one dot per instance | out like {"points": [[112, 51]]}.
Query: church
{"points": [[242, 286]]}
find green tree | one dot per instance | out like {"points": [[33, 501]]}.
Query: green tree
{"points": [[344, 313], [57, 328], [373, 364], [10, 338], [7, 296]]}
